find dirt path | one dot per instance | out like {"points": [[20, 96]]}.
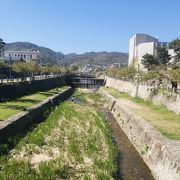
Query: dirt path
{"points": [[130, 164], [140, 109]]}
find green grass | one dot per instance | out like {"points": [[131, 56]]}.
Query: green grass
{"points": [[79, 133], [10, 108], [115, 93], [93, 99], [167, 122]]}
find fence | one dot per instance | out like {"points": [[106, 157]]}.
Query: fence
{"points": [[22, 79]]}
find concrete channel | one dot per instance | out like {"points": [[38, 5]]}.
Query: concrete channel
{"points": [[159, 153], [129, 162], [130, 134], [130, 165]]}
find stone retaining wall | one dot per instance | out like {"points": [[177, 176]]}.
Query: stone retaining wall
{"points": [[20, 121], [161, 155], [169, 100], [18, 89]]}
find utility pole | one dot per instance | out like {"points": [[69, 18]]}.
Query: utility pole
{"points": [[10, 68]]}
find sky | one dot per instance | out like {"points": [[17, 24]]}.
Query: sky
{"points": [[78, 26]]}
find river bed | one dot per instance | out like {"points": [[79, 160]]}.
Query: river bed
{"points": [[130, 164]]}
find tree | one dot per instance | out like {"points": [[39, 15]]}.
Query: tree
{"points": [[3, 68], [32, 68], [151, 75], [175, 74], [128, 73], [29, 68], [55, 69], [74, 67], [175, 44], [45, 70], [162, 56], [2, 44], [131, 72], [175, 64], [2, 64], [19, 67], [149, 61]]}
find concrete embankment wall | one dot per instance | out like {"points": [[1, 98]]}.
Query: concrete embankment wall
{"points": [[169, 100], [161, 155], [21, 121], [18, 89]]}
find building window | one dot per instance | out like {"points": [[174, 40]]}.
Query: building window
{"points": [[9, 55], [18, 55], [30, 56], [24, 56], [21, 56], [15, 55]]}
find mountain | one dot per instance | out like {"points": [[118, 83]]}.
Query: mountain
{"points": [[49, 56], [96, 58]]}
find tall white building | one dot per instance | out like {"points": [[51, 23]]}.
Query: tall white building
{"points": [[139, 45]]}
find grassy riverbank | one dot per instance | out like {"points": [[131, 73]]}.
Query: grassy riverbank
{"points": [[74, 142], [10, 108], [167, 122]]}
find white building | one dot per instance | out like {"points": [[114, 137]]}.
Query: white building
{"points": [[139, 45], [172, 53], [21, 55]]}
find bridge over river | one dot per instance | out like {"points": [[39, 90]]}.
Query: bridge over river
{"points": [[87, 81]]}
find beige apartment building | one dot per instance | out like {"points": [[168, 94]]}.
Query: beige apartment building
{"points": [[21, 55]]}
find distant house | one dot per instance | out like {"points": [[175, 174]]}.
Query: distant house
{"points": [[139, 45], [119, 65], [21, 55]]}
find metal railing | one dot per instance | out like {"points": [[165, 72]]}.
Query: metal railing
{"points": [[33, 78]]}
